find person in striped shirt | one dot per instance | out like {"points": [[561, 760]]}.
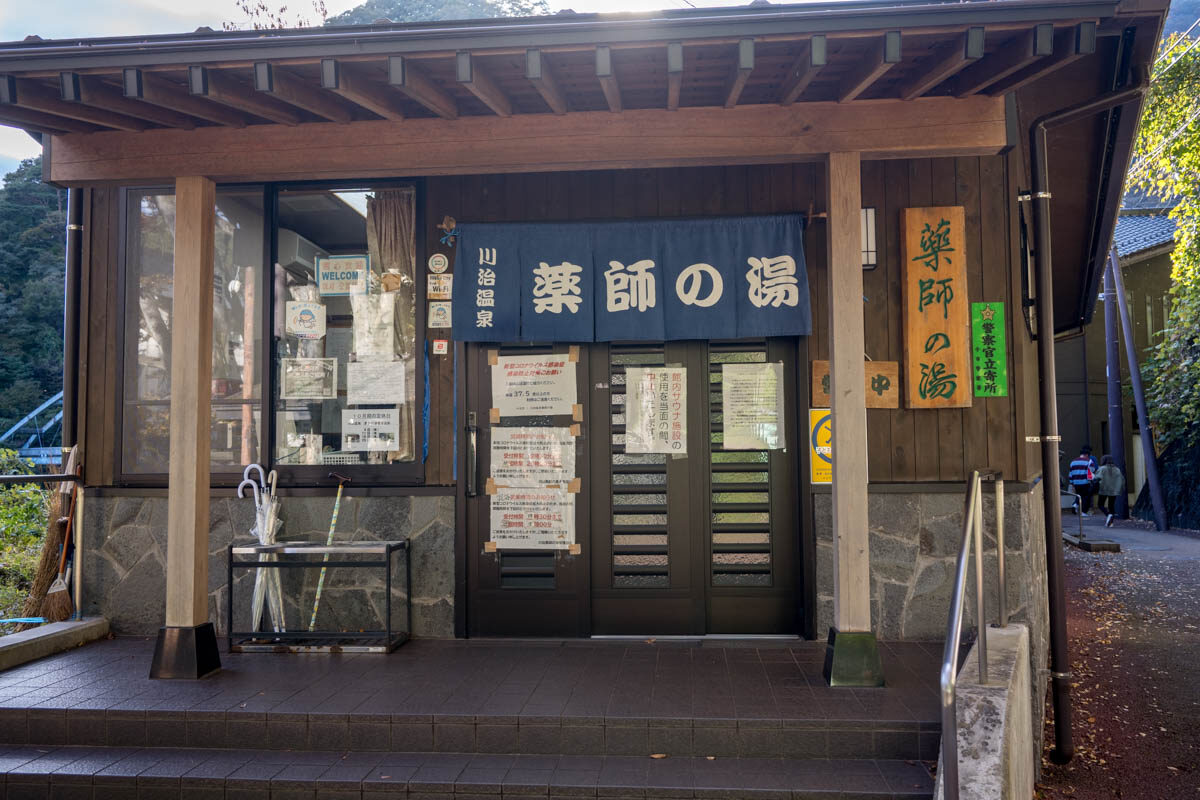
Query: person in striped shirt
{"points": [[1082, 476]]}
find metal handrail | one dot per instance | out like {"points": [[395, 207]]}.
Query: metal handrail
{"points": [[972, 534]]}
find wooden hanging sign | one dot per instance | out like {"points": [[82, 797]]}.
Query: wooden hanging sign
{"points": [[937, 336], [882, 379]]}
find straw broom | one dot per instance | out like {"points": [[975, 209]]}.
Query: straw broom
{"points": [[58, 606], [46, 570]]}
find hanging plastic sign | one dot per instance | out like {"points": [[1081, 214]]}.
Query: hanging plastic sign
{"points": [[308, 378], [532, 456], [989, 350], [729, 277], [343, 275], [533, 519], [656, 410], [374, 429], [379, 382], [304, 320], [752, 402], [525, 386]]}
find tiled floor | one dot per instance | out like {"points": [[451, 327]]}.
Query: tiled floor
{"points": [[585, 679]]}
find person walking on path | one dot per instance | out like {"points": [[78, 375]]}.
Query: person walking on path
{"points": [[1081, 476], [1111, 483]]}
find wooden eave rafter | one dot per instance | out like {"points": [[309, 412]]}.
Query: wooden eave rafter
{"points": [[219, 87], [156, 90], [884, 56], [741, 72], [475, 80], [804, 69], [608, 78], [90, 90], [1014, 55], [1070, 44], [674, 74], [40, 122], [540, 75], [348, 83], [967, 49], [406, 76], [33, 96], [287, 88]]}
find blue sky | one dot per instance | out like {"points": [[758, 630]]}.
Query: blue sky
{"points": [[61, 19]]}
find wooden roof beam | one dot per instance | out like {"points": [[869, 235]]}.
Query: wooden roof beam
{"points": [[1070, 44], [287, 88], [219, 87], [885, 56], [800, 74], [348, 83], [608, 78], [408, 78], [741, 73], [158, 91], [539, 73], [91, 91], [40, 122], [967, 48], [674, 74], [35, 97], [1015, 54], [480, 84]]}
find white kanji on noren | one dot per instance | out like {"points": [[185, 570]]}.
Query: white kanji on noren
{"points": [[485, 297], [487, 277], [773, 281], [487, 255], [556, 286], [630, 287], [483, 319], [690, 282]]}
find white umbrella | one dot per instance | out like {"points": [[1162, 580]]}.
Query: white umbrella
{"points": [[266, 526]]}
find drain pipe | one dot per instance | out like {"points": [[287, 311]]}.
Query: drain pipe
{"points": [[1060, 664], [74, 250]]}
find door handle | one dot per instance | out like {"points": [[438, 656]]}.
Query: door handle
{"points": [[472, 457]]}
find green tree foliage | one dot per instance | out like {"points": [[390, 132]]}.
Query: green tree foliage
{"points": [[1167, 163], [427, 10], [32, 223], [23, 509]]}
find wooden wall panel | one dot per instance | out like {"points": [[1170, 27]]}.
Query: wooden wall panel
{"points": [[950, 420], [876, 308], [102, 347]]}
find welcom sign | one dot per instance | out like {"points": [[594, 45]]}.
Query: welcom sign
{"points": [[726, 278]]}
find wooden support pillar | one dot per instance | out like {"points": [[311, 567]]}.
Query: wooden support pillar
{"points": [[187, 646], [851, 658]]}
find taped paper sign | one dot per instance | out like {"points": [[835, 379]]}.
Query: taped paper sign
{"points": [[439, 287], [656, 410], [374, 325], [370, 382], [533, 519], [524, 386], [370, 429], [308, 378], [304, 320], [752, 400], [343, 275], [532, 456]]}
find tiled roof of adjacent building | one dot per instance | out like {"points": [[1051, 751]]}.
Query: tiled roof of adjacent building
{"points": [[1136, 233]]}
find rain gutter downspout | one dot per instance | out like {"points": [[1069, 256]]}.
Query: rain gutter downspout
{"points": [[74, 251], [1060, 665]]}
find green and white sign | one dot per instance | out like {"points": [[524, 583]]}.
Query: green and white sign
{"points": [[989, 350]]}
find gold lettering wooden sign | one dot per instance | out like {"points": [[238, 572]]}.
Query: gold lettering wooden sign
{"points": [[937, 336], [882, 382]]}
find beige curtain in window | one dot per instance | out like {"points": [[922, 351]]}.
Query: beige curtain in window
{"points": [[391, 242]]}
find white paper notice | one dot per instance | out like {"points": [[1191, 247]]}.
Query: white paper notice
{"points": [[533, 519], [656, 410], [752, 399], [304, 320], [524, 386], [532, 456], [308, 378], [370, 428], [375, 382], [374, 331]]}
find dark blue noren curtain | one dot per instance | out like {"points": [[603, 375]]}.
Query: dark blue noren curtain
{"points": [[718, 278]]}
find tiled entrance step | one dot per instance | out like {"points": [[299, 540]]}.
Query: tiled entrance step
{"points": [[121, 773], [880, 738]]}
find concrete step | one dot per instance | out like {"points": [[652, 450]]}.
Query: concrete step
{"points": [[813, 737], [122, 773]]}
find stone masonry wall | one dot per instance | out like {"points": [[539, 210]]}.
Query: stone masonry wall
{"points": [[914, 546], [125, 555]]}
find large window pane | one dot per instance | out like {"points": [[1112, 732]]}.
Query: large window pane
{"points": [[345, 327], [237, 325]]}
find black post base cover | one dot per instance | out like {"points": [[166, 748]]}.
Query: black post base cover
{"points": [[186, 653]]}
